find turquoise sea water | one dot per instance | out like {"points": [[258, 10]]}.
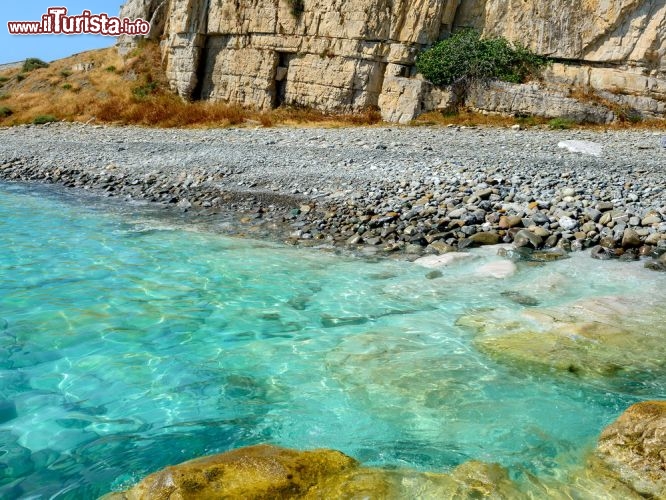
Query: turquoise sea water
{"points": [[129, 342]]}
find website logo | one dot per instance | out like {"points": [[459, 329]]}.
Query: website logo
{"points": [[57, 22]]}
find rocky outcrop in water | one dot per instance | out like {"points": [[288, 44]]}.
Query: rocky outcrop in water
{"points": [[634, 448], [265, 471], [255, 472], [627, 463], [607, 336], [347, 55]]}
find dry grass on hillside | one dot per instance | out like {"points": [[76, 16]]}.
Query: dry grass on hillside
{"points": [[132, 91]]}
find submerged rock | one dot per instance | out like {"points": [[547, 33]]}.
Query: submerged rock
{"points": [[329, 321], [658, 264], [470, 480], [628, 462], [605, 336], [499, 269], [261, 471], [549, 255], [520, 298], [527, 254]]}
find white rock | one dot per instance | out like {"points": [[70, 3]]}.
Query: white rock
{"points": [[584, 147], [499, 269], [567, 223], [435, 261]]}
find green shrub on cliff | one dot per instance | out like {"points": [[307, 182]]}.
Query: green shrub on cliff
{"points": [[465, 57], [32, 64]]}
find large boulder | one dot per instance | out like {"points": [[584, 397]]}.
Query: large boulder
{"points": [[269, 472], [634, 448], [255, 472], [470, 480]]}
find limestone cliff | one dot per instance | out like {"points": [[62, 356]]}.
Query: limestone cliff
{"points": [[344, 55]]}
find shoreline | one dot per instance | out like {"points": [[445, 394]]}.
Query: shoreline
{"points": [[413, 191], [349, 359]]}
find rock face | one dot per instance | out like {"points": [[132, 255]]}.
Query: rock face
{"points": [[348, 55], [634, 448], [153, 11], [535, 99]]}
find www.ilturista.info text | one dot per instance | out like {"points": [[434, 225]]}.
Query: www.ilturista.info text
{"points": [[57, 22]]}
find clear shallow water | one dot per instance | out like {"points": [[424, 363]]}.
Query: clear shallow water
{"points": [[128, 343]]}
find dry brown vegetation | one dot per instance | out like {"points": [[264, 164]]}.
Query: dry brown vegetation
{"points": [[134, 90], [626, 117], [469, 118]]}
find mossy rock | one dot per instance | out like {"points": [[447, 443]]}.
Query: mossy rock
{"points": [[607, 337], [261, 472], [269, 472], [634, 448], [470, 480]]}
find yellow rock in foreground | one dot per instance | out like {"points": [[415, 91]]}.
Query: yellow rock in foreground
{"points": [[269, 472], [255, 472], [634, 448], [629, 463]]}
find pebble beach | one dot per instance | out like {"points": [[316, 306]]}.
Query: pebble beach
{"points": [[406, 190]]}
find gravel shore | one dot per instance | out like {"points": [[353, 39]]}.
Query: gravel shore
{"points": [[416, 190]]}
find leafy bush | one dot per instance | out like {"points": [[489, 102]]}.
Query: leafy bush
{"points": [[5, 112], [4, 79], [561, 123], [111, 69], [42, 119], [466, 57], [33, 63], [527, 121], [65, 73], [67, 86], [628, 114], [20, 77]]}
